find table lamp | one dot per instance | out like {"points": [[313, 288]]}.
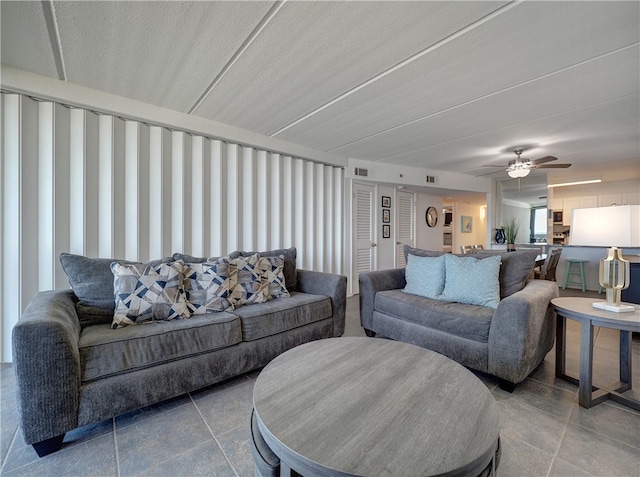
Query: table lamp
{"points": [[614, 277]]}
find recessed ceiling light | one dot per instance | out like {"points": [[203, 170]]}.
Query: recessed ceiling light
{"points": [[562, 184]]}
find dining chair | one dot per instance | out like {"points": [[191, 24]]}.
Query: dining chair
{"points": [[548, 269], [466, 249], [477, 247]]}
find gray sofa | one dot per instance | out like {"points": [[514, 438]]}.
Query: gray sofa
{"points": [[508, 342], [73, 369]]}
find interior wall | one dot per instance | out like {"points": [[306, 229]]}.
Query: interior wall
{"points": [[102, 186], [523, 215], [478, 234], [428, 238], [627, 189], [385, 246]]}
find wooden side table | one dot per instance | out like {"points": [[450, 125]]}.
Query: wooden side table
{"points": [[581, 309]]}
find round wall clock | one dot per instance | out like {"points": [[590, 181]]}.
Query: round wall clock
{"points": [[431, 216]]}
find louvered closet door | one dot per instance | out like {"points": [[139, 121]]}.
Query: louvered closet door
{"points": [[364, 231], [405, 225]]}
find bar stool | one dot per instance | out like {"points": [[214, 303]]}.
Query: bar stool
{"points": [[578, 273]]}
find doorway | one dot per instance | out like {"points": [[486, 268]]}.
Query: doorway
{"points": [[364, 227], [405, 225]]}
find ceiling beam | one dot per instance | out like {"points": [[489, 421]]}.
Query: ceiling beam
{"points": [[54, 38]]}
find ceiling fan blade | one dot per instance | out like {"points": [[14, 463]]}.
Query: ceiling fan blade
{"points": [[552, 166], [503, 166], [544, 159]]}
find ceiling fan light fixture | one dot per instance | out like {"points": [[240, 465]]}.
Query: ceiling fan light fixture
{"points": [[518, 172]]}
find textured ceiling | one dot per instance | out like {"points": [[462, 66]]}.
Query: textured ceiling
{"points": [[443, 85]]}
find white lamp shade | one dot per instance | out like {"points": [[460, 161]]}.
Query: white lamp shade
{"points": [[518, 172], [606, 226]]}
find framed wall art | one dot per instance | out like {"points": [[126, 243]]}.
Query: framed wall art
{"points": [[386, 202], [386, 231], [386, 216], [466, 224]]}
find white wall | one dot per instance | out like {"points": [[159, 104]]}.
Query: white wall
{"points": [[386, 246], [627, 190], [98, 185], [428, 238], [522, 213], [478, 234], [381, 173]]}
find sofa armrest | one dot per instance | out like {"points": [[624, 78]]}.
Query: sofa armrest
{"points": [[522, 331], [46, 362], [331, 285], [373, 282]]}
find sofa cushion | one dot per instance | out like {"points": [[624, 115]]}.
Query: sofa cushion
{"points": [[466, 321], [207, 286], [145, 292], [273, 277], [91, 280], [471, 280], [245, 281], [425, 276], [191, 259], [418, 252], [514, 270], [290, 254], [277, 316], [104, 352]]}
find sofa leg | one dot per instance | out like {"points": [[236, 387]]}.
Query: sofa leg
{"points": [[369, 333], [48, 446], [506, 385]]}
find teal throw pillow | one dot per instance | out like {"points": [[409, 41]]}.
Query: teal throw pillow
{"points": [[425, 276], [472, 281]]}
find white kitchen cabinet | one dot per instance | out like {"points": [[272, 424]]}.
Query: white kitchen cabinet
{"points": [[568, 204], [588, 201], [631, 198], [609, 199], [555, 204]]}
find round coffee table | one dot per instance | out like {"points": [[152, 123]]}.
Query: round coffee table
{"points": [[363, 406]]}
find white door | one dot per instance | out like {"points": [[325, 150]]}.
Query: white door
{"points": [[364, 256], [405, 225]]}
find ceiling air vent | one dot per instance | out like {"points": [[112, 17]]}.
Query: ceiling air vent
{"points": [[431, 179], [362, 172]]}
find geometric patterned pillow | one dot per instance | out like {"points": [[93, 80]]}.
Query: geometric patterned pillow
{"points": [[145, 293], [206, 286], [272, 269], [245, 280]]}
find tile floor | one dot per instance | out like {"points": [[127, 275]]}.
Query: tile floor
{"points": [[544, 432]]}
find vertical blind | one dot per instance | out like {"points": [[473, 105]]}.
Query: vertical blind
{"points": [[76, 181]]}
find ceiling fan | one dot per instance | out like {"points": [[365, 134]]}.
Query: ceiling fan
{"points": [[520, 167]]}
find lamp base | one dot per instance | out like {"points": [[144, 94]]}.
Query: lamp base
{"points": [[603, 305]]}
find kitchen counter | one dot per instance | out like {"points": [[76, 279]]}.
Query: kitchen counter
{"points": [[542, 246]]}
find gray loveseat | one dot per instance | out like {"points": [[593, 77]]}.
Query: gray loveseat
{"points": [[73, 369], [508, 341]]}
